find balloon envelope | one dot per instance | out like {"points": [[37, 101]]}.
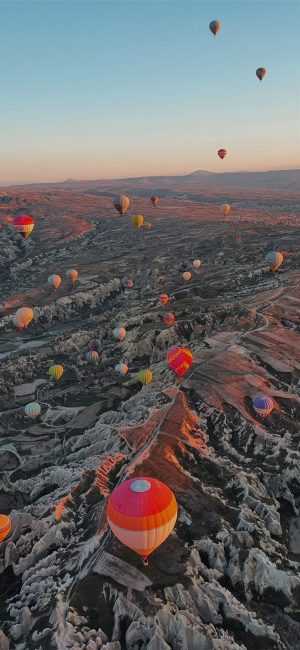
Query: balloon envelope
{"points": [[263, 405], [72, 274], [142, 513], [164, 299], [5, 527], [222, 153], [187, 276], [54, 280], [197, 264], [215, 26], [226, 209], [145, 376], [154, 200], [122, 204], [138, 220], [274, 259], [261, 73], [24, 224], [92, 356], [33, 409], [119, 333], [179, 360], [23, 317], [56, 372], [169, 319], [121, 368]]}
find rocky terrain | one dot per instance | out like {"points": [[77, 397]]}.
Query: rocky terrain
{"points": [[228, 576]]}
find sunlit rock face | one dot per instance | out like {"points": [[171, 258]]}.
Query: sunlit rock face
{"points": [[228, 576]]}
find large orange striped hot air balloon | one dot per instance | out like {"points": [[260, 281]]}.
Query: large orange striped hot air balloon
{"points": [[24, 224], [5, 527], [179, 360], [142, 513]]}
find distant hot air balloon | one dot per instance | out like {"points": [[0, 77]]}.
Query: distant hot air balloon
{"points": [[179, 360], [142, 513], [263, 405], [33, 409], [56, 372], [24, 224], [54, 280], [72, 274], [154, 200], [197, 264], [187, 276], [138, 220], [261, 73], [92, 356], [130, 284], [215, 27], [119, 333], [222, 153], [226, 209], [122, 204], [164, 299], [5, 527], [60, 507], [274, 259], [23, 317], [145, 376], [121, 368], [169, 319]]}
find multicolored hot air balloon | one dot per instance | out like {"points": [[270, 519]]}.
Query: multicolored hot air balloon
{"points": [[92, 356], [54, 280], [24, 224], [5, 527], [263, 405], [56, 372], [33, 409], [261, 73], [215, 27], [274, 259], [142, 513], [72, 275], [179, 360], [197, 264], [187, 276], [23, 317], [154, 200], [119, 333], [226, 209], [169, 319], [121, 368], [138, 220], [145, 376], [122, 204], [222, 153], [164, 299]]}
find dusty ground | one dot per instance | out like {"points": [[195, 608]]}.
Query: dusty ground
{"points": [[228, 577]]}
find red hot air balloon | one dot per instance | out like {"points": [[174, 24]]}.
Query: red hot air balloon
{"points": [[142, 513], [169, 319], [222, 153], [179, 360], [164, 299], [24, 224]]}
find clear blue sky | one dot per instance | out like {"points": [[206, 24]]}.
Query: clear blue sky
{"points": [[95, 89]]}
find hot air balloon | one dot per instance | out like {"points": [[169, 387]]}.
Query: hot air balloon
{"points": [[197, 264], [179, 360], [33, 409], [24, 224], [138, 221], [142, 513], [23, 317], [121, 368], [145, 376], [154, 200], [222, 153], [56, 372], [164, 299], [92, 356], [122, 204], [119, 333], [72, 274], [261, 73], [130, 284], [226, 209], [274, 259], [169, 319], [215, 27], [55, 281], [60, 507], [5, 527], [263, 405], [187, 276]]}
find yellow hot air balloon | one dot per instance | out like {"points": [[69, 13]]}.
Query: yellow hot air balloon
{"points": [[54, 280], [72, 274], [56, 372], [145, 376], [23, 317], [138, 220], [226, 209]]}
